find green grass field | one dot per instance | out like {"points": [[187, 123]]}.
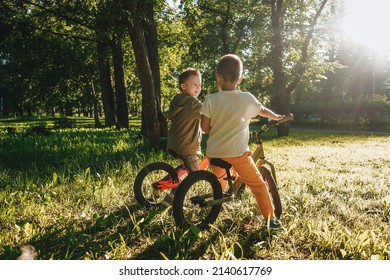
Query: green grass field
{"points": [[69, 193]]}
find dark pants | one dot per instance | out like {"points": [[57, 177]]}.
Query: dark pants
{"points": [[191, 164]]}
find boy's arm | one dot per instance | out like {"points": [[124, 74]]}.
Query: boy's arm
{"points": [[267, 113], [205, 124], [172, 111]]}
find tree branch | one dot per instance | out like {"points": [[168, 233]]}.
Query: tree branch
{"points": [[14, 10], [60, 15], [305, 47], [47, 30]]}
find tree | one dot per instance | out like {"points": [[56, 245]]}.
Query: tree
{"points": [[281, 97], [153, 126], [217, 28], [77, 24], [56, 56], [122, 110], [105, 84]]}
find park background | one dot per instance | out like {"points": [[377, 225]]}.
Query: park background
{"points": [[83, 88]]}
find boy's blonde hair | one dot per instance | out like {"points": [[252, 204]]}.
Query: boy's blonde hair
{"points": [[186, 73], [230, 68]]}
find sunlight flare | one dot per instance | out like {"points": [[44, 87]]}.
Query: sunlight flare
{"points": [[367, 22]]}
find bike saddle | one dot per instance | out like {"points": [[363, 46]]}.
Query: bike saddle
{"points": [[220, 163]]}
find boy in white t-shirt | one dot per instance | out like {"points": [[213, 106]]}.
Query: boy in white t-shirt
{"points": [[225, 117]]}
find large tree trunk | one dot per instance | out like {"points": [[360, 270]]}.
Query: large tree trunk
{"points": [[106, 86], [149, 25], [150, 121], [122, 111], [280, 98], [4, 106]]}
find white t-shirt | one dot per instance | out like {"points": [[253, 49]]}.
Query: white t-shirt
{"points": [[230, 113]]}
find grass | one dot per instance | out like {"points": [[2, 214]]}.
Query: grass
{"points": [[69, 194]]}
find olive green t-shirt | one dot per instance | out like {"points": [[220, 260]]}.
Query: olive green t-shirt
{"points": [[184, 135]]}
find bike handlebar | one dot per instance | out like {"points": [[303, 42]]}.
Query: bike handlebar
{"points": [[273, 123], [285, 119]]}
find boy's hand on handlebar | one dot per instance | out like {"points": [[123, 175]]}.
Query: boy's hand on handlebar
{"points": [[284, 119], [278, 117]]}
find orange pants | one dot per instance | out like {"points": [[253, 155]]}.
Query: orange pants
{"points": [[250, 175]]}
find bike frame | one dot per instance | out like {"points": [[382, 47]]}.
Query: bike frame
{"points": [[233, 187], [259, 157], [181, 170]]}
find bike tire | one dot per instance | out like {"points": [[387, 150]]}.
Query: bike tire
{"points": [[196, 188], [273, 189], [145, 190]]}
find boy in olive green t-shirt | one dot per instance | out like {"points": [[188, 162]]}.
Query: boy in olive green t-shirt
{"points": [[184, 136]]}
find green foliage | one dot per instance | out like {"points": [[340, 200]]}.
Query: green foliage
{"points": [[48, 60], [368, 112]]}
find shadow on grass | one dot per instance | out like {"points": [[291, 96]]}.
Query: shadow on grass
{"points": [[97, 238], [63, 242], [68, 152], [21, 151], [191, 244], [125, 230]]}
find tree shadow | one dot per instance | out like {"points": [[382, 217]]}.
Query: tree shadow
{"points": [[23, 151], [123, 228], [70, 153], [94, 241], [186, 244]]}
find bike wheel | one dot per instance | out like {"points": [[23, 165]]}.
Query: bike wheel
{"points": [[273, 189], [190, 202], [146, 189]]}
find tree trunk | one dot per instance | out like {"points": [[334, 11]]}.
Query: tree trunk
{"points": [[149, 25], [95, 105], [106, 86], [122, 111], [280, 99], [150, 121], [4, 104]]}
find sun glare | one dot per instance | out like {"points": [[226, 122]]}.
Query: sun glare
{"points": [[367, 22]]}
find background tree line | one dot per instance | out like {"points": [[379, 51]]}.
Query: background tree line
{"points": [[117, 58]]}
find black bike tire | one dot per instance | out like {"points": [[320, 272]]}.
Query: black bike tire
{"points": [[182, 191], [273, 189], [139, 196]]}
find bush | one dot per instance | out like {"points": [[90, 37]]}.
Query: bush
{"points": [[364, 111]]}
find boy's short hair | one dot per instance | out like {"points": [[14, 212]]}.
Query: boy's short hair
{"points": [[186, 73], [230, 68]]}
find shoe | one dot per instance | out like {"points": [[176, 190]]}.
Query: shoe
{"points": [[274, 223], [168, 200]]}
